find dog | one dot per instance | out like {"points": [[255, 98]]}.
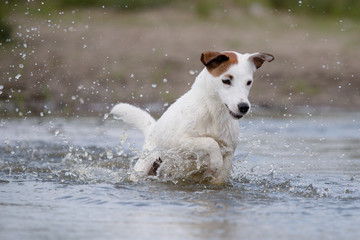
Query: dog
{"points": [[201, 127]]}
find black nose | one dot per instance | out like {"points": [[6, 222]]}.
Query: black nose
{"points": [[243, 107]]}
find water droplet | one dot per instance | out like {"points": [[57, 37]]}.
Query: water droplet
{"points": [[154, 85], [18, 76], [109, 154], [21, 65], [120, 152], [192, 72]]}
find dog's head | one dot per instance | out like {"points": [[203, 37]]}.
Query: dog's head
{"points": [[232, 77]]}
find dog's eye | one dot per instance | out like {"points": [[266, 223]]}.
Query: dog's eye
{"points": [[249, 83], [226, 81]]}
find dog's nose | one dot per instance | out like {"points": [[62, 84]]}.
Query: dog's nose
{"points": [[243, 107]]}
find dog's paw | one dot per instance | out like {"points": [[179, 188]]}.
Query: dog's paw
{"points": [[218, 181], [215, 178], [215, 170]]}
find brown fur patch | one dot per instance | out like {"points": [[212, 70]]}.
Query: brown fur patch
{"points": [[260, 58], [154, 167], [223, 66], [229, 76]]}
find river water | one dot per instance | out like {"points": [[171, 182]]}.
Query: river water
{"points": [[296, 176]]}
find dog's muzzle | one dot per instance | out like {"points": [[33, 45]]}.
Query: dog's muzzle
{"points": [[243, 108], [235, 115]]}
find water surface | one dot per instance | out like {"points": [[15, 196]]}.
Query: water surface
{"points": [[295, 176]]}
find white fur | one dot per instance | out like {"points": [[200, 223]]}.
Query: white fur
{"points": [[199, 122], [133, 116]]}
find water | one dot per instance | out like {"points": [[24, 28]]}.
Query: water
{"points": [[295, 177]]}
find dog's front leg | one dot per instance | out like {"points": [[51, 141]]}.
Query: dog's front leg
{"points": [[210, 147]]}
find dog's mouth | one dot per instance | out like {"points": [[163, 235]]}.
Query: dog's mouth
{"points": [[234, 115]]}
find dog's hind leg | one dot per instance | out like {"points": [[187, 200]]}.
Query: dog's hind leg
{"points": [[155, 166], [145, 165]]}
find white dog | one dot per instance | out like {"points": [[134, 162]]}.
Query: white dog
{"points": [[201, 126]]}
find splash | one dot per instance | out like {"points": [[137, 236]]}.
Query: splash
{"points": [[65, 164]]}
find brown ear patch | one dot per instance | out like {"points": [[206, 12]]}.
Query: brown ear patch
{"points": [[218, 62]]}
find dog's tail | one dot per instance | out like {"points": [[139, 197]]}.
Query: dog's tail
{"points": [[133, 116]]}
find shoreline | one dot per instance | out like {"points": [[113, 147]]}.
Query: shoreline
{"points": [[83, 63], [156, 109]]}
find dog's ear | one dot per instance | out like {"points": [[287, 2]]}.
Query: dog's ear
{"points": [[259, 58], [213, 59]]}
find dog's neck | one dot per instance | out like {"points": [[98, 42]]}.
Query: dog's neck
{"points": [[203, 79], [204, 93]]}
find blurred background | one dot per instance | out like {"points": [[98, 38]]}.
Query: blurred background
{"points": [[78, 58]]}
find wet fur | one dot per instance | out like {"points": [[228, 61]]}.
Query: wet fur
{"points": [[201, 121]]}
